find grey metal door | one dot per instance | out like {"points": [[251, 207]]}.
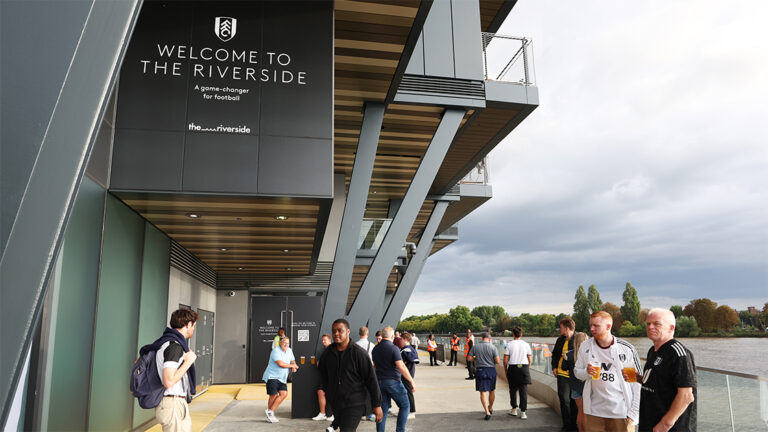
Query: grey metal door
{"points": [[204, 349]]}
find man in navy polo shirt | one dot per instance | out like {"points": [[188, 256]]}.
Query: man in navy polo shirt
{"points": [[389, 370]]}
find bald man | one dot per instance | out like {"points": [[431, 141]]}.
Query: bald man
{"points": [[668, 394]]}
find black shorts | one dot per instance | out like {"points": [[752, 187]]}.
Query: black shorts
{"points": [[485, 379], [274, 386]]}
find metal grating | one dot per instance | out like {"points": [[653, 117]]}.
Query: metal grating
{"points": [[187, 262], [442, 86], [317, 281]]}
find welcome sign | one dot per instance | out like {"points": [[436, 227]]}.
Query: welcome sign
{"points": [[231, 76]]}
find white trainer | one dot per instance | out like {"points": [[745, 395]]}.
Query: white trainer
{"points": [[330, 419], [330, 429], [523, 416], [411, 416], [319, 417], [513, 412]]}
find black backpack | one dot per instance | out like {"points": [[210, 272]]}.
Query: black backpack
{"points": [[146, 384]]}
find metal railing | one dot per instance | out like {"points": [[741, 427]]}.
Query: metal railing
{"points": [[508, 59], [478, 174], [372, 233]]}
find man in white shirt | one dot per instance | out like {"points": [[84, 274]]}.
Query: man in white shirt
{"points": [[517, 358], [610, 402], [174, 361], [364, 343]]}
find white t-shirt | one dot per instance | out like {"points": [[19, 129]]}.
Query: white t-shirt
{"points": [[366, 345], [171, 357], [518, 351], [607, 396]]}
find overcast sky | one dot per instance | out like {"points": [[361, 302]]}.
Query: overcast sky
{"points": [[646, 161]]}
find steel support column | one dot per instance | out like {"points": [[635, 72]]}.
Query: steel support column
{"points": [[370, 296], [44, 210], [352, 220], [394, 311]]}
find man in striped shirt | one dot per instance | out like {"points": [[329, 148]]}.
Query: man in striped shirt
{"points": [[668, 397]]}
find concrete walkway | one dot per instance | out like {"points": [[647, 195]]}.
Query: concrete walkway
{"points": [[445, 401]]}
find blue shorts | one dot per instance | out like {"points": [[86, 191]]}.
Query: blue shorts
{"points": [[274, 386], [577, 388], [485, 379]]}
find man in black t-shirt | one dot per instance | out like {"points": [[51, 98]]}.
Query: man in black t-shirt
{"points": [[668, 397]]}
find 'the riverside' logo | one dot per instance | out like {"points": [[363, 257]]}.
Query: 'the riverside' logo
{"points": [[225, 28]]}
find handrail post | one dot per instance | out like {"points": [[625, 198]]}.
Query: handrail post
{"points": [[525, 61], [730, 405]]}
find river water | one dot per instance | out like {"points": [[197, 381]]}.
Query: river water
{"points": [[745, 355]]}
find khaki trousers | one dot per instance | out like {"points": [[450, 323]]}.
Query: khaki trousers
{"points": [[600, 424], [173, 415]]}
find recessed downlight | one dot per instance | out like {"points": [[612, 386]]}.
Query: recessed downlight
{"points": [[223, 249], [193, 215], [239, 268], [286, 250], [281, 217], [288, 268]]}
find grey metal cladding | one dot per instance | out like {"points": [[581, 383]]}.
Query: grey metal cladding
{"points": [[221, 163], [303, 110], [290, 165], [467, 43], [438, 41], [33, 64], [147, 160], [416, 63]]}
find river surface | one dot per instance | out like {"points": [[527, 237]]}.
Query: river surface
{"points": [[745, 355]]}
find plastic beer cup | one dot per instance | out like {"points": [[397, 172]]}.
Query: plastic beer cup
{"points": [[596, 366], [630, 372], [302, 359]]}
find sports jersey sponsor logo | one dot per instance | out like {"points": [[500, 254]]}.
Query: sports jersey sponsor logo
{"points": [[657, 361]]}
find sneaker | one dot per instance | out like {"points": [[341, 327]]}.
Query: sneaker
{"points": [[391, 412], [523, 416], [330, 429], [513, 412], [320, 416], [411, 416], [372, 417], [330, 419], [271, 417]]}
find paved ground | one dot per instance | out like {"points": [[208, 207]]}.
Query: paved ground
{"points": [[445, 401]]}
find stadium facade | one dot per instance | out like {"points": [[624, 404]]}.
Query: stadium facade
{"points": [[266, 163]]}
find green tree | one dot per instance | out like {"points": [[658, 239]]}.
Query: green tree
{"points": [[687, 327], [631, 307], [547, 325], [615, 313], [627, 329], [459, 320], [642, 316], [747, 319], [726, 318], [764, 315], [490, 315], [593, 299], [677, 310], [581, 310], [703, 310]]}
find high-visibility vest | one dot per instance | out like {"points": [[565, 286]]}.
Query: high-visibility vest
{"points": [[455, 344], [466, 346], [431, 345], [547, 352]]}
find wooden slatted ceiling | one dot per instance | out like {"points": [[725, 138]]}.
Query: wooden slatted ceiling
{"points": [[246, 227], [439, 245], [473, 138], [358, 276], [488, 11]]}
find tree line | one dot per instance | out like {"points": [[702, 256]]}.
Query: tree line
{"points": [[699, 317]]}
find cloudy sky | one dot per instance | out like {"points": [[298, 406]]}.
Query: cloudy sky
{"points": [[646, 161]]}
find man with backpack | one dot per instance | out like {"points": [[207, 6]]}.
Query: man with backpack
{"points": [[175, 365]]}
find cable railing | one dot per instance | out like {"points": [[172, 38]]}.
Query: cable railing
{"points": [[478, 174], [508, 59]]}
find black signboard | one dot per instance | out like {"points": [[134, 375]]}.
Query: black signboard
{"points": [[213, 93]]}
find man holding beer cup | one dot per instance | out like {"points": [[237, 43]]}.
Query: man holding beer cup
{"points": [[609, 366]]}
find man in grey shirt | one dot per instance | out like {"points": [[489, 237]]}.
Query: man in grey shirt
{"points": [[486, 357]]}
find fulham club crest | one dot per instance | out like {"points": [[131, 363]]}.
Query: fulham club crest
{"points": [[226, 28]]}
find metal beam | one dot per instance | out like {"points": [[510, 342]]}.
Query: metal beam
{"points": [[38, 230], [352, 220], [392, 314], [371, 292]]}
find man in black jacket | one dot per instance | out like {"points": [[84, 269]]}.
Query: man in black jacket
{"points": [[560, 368], [347, 372]]}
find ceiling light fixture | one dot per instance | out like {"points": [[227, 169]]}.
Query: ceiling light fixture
{"points": [[286, 250], [193, 215], [288, 268], [281, 217], [223, 249], [239, 268]]}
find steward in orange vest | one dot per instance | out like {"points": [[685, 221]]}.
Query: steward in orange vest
{"points": [[432, 349], [455, 342], [469, 341]]}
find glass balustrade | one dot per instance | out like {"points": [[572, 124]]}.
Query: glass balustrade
{"points": [[372, 233]]}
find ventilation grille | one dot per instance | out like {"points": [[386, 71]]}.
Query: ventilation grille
{"points": [[319, 280], [185, 261], [442, 86]]}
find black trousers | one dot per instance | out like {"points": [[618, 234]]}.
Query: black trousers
{"points": [[471, 368], [433, 358], [348, 418], [409, 389], [516, 387], [453, 361], [568, 407]]}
